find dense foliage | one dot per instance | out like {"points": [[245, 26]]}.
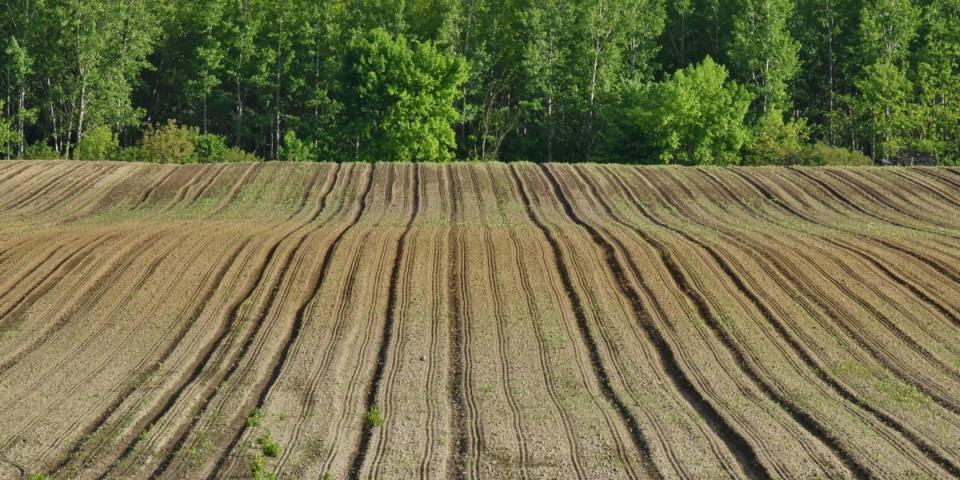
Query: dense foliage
{"points": [[688, 81]]}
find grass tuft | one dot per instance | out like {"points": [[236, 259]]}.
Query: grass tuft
{"points": [[374, 416], [255, 418], [268, 445]]}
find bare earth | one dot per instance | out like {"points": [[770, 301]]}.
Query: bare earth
{"points": [[508, 321]]}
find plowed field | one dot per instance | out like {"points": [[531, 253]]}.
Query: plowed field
{"points": [[504, 321]]}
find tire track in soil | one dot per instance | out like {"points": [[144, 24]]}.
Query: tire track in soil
{"points": [[38, 413], [765, 217], [40, 185], [599, 370], [395, 360], [279, 364], [96, 288], [839, 388], [45, 283], [247, 177], [917, 291], [836, 195], [927, 185], [145, 197], [812, 426], [221, 335], [860, 185], [592, 304], [126, 385], [66, 189], [72, 189], [502, 346], [735, 442], [458, 386], [239, 423], [542, 355], [211, 281], [692, 289], [424, 471], [373, 390], [345, 301], [888, 360], [365, 341]]}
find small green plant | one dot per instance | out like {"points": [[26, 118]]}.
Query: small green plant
{"points": [[268, 445], [258, 467], [255, 418], [38, 476], [327, 476], [374, 416]]}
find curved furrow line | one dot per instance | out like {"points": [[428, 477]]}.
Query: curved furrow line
{"points": [[904, 283], [599, 370], [817, 428], [830, 191], [542, 354], [199, 301], [39, 184], [373, 390], [716, 445], [248, 176], [882, 417], [346, 416], [580, 277], [758, 376], [145, 197], [17, 279], [32, 181], [749, 363], [210, 392], [291, 340], [424, 471], [102, 323], [52, 277], [738, 446], [894, 277], [940, 175], [943, 269], [502, 347], [395, 359], [344, 303], [203, 191], [814, 365], [928, 186], [766, 218], [14, 172], [436, 302], [152, 421], [173, 404], [859, 184], [90, 291], [195, 179], [314, 180], [139, 371], [65, 194], [458, 388], [100, 184], [844, 199], [876, 348]]}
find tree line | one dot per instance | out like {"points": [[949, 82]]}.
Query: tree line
{"points": [[640, 81]]}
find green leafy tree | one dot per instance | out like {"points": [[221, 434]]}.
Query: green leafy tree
{"points": [[885, 110], [170, 143], [100, 143], [695, 116], [7, 135], [399, 98], [764, 53]]}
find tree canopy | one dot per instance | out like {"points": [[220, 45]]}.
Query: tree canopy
{"points": [[435, 80]]}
